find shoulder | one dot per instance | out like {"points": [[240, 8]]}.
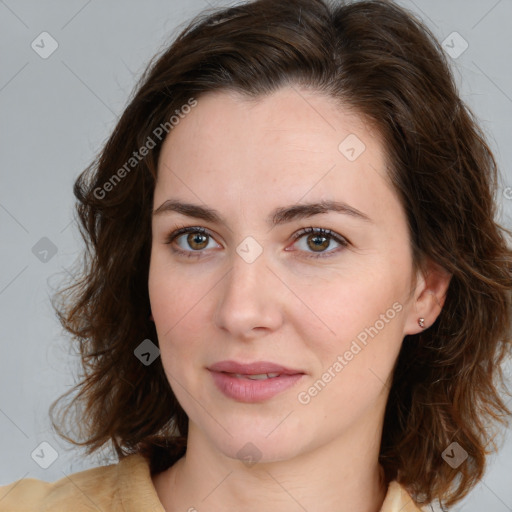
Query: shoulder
{"points": [[120, 487]]}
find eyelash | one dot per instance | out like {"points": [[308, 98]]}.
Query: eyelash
{"points": [[305, 231]]}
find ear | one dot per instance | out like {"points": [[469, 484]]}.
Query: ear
{"points": [[428, 298]]}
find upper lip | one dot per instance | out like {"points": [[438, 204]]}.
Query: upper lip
{"points": [[254, 368]]}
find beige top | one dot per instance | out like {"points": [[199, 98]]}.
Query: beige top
{"points": [[122, 487]]}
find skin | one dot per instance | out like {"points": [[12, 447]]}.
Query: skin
{"points": [[245, 159]]}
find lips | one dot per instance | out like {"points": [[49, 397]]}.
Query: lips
{"points": [[253, 382]]}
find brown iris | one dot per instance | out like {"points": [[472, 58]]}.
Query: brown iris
{"points": [[194, 241], [317, 246]]}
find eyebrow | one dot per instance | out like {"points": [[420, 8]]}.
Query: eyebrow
{"points": [[278, 216]]}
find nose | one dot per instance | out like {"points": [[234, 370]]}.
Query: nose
{"points": [[250, 299]]}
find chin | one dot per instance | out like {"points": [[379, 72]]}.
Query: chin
{"points": [[259, 440], [259, 450]]}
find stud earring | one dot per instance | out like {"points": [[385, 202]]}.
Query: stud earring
{"points": [[421, 322]]}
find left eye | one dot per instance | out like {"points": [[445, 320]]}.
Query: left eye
{"points": [[318, 241]]}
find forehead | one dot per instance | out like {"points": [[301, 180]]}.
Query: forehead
{"points": [[293, 144]]}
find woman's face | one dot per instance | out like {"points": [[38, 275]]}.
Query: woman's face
{"points": [[254, 284]]}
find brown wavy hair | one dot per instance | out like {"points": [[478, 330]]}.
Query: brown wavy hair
{"points": [[379, 60]]}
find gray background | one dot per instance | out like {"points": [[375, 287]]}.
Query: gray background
{"points": [[55, 115]]}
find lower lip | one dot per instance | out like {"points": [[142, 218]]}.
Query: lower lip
{"points": [[248, 390]]}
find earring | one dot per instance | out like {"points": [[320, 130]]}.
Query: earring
{"points": [[421, 322]]}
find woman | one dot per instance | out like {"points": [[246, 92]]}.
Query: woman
{"points": [[295, 292]]}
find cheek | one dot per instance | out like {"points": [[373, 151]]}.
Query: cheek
{"points": [[171, 292], [354, 363], [343, 306], [366, 313], [177, 304]]}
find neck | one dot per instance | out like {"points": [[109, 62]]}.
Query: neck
{"points": [[315, 480]]}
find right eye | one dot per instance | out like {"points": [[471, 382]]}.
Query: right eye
{"points": [[190, 240]]}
